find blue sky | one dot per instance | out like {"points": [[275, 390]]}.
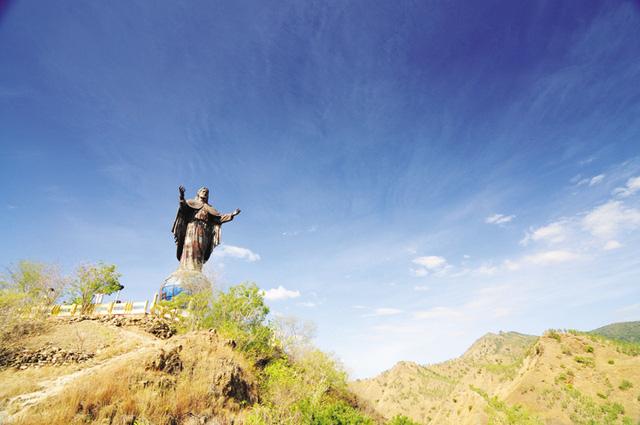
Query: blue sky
{"points": [[411, 174]]}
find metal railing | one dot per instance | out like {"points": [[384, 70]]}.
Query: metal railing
{"points": [[128, 308]]}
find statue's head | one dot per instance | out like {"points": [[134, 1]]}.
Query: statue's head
{"points": [[203, 194]]}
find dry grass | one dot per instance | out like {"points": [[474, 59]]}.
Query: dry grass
{"points": [[90, 336], [25, 381], [124, 390]]}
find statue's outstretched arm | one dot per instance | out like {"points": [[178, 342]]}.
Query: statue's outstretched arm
{"points": [[228, 217], [181, 190]]}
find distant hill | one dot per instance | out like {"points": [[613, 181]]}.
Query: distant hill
{"points": [[625, 331], [511, 378]]}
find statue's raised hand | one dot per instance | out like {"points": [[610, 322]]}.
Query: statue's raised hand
{"points": [[181, 189], [236, 212]]}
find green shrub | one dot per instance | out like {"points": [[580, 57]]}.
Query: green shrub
{"points": [[330, 413], [612, 411], [552, 333], [403, 420], [587, 361], [625, 385], [501, 412], [239, 314], [299, 383], [630, 348]]}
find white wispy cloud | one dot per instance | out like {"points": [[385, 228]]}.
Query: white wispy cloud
{"points": [[386, 311], [487, 270], [495, 301], [591, 181], [552, 233], [310, 229], [280, 293], [308, 304], [596, 179], [235, 252], [430, 264], [611, 245], [632, 186], [607, 220], [437, 313], [545, 258], [421, 288], [499, 219], [383, 311], [419, 272]]}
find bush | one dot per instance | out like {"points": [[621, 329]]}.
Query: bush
{"points": [[625, 385], [91, 280], [293, 335], [403, 420], [552, 333], [299, 383], [330, 413], [27, 291], [308, 389], [197, 306], [240, 314], [587, 361]]}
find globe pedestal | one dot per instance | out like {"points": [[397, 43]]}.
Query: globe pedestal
{"points": [[187, 281]]}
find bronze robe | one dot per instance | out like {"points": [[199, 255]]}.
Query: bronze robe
{"points": [[197, 232]]}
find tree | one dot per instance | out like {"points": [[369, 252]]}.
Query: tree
{"points": [[94, 279], [240, 314], [295, 336], [39, 282], [242, 305], [27, 290]]}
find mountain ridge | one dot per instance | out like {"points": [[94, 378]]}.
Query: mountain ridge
{"points": [[625, 331], [509, 377]]}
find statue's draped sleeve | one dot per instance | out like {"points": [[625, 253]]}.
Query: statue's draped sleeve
{"points": [[217, 220], [179, 229]]}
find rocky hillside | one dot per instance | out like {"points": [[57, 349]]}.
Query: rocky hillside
{"points": [[92, 371], [510, 378], [138, 371]]}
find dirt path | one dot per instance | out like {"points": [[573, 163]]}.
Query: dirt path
{"points": [[51, 387]]}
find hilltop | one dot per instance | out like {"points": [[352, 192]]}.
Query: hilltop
{"points": [[203, 357], [625, 331], [139, 371], [510, 378]]}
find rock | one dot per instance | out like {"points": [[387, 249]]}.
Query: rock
{"points": [[154, 325], [47, 355], [159, 327], [230, 381], [168, 362]]}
